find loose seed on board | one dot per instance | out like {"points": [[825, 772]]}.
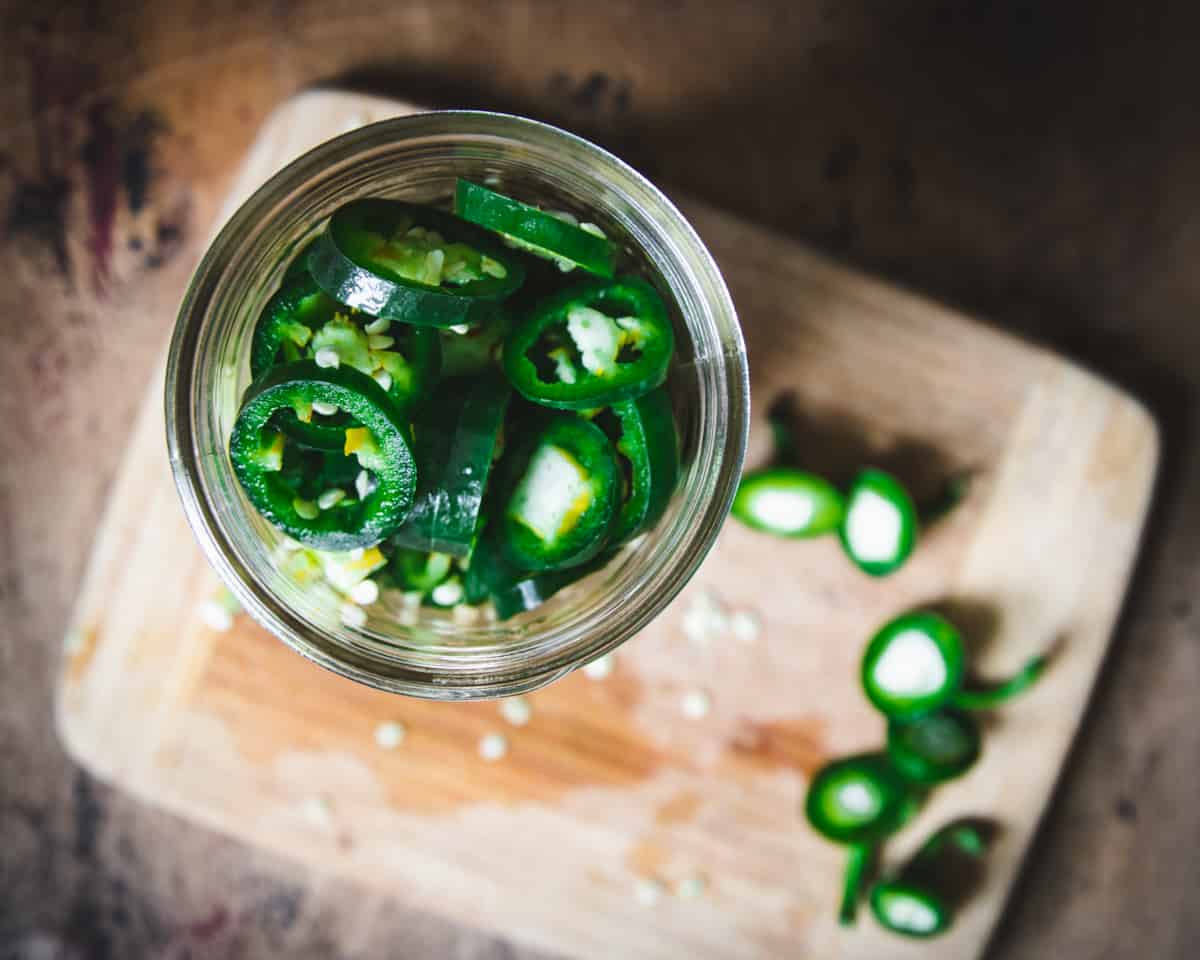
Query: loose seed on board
{"points": [[648, 892], [516, 710], [600, 668], [695, 704], [216, 617], [745, 626], [390, 735], [493, 746]]}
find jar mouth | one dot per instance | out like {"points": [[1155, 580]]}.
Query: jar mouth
{"points": [[414, 157]]}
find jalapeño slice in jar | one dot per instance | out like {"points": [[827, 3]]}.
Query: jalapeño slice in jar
{"points": [[302, 322], [489, 568], [378, 441], [591, 346], [643, 432], [414, 264], [550, 235], [561, 497], [472, 350], [531, 592], [455, 445], [418, 571], [286, 325]]}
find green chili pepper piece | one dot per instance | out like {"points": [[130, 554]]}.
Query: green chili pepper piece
{"points": [[858, 864], [643, 432], [913, 664], [857, 800], [489, 569], [909, 910], [379, 443], [300, 320], [788, 503], [879, 529], [413, 264], [984, 698], [536, 231], [934, 747], [920, 900], [528, 593], [286, 325], [416, 570], [591, 346], [467, 353], [455, 445], [561, 496]]}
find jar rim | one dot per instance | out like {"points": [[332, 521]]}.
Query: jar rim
{"points": [[499, 671]]}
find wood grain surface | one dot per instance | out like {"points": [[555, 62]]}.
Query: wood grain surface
{"points": [[610, 785], [1032, 163]]}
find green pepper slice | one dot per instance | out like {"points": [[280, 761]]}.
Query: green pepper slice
{"points": [[858, 865], [492, 576], [591, 346], [908, 910], [921, 899], [934, 747], [379, 444], [643, 432], [547, 235], [986, 697], [285, 326], [788, 503], [455, 445], [489, 568], [857, 800], [879, 528], [561, 496], [416, 570], [414, 264], [469, 352], [913, 664], [529, 593], [301, 322]]}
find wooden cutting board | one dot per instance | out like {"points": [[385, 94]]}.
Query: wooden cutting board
{"points": [[612, 792]]}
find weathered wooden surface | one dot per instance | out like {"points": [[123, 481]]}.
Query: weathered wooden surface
{"points": [[1032, 162], [610, 785]]}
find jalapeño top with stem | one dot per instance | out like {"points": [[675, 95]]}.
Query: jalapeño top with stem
{"points": [[417, 160]]}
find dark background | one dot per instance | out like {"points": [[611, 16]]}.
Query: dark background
{"points": [[1036, 163]]}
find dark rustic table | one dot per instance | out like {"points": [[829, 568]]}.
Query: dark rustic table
{"points": [[1035, 163]]}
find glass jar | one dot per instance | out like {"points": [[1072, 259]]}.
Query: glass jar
{"points": [[417, 158]]}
